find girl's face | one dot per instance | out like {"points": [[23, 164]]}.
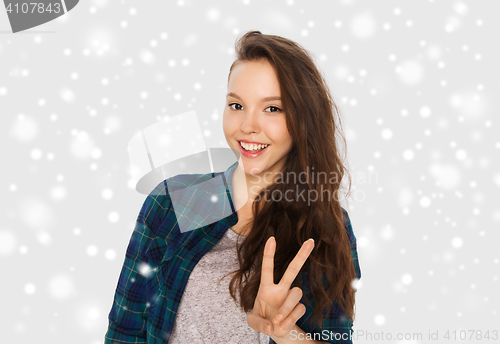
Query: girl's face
{"points": [[253, 114]]}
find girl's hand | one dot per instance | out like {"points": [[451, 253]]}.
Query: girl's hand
{"points": [[278, 299]]}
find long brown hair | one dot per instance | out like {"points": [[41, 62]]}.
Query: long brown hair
{"points": [[313, 122]]}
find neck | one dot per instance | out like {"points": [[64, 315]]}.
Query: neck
{"points": [[246, 187]]}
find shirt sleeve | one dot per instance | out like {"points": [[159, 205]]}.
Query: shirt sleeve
{"points": [[336, 327], [339, 327], [352, 239], [128, 315]]}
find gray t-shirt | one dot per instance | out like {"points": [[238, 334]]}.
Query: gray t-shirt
{"points": [[207, 313]]}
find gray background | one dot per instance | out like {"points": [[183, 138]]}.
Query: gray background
{"points": [[417, 86]]}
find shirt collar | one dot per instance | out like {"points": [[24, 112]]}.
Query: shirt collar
{"points": [[228, 178]]}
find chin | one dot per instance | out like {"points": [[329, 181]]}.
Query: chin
{"points": [[252, 168], [254, 171]]}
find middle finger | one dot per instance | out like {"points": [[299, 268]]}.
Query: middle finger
{"points": [[297, 262]]}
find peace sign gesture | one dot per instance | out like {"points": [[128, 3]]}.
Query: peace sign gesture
{"points": [[274, 300]]}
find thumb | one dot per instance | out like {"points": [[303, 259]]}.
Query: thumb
{"points": [[259, 323]]}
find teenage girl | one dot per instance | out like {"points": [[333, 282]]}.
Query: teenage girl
{"points": [[287, 242]]}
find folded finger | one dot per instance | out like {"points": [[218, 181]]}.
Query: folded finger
{"points": [[293, 317], [294, 296]]}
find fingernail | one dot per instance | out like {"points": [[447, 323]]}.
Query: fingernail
{"points": [[278, 317], [268, 330], [311, 239]]}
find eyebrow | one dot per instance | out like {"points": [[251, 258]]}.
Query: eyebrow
{"points": [[266, 99]]}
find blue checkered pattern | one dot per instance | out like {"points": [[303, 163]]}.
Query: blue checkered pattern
{"points": [[160, 258]]}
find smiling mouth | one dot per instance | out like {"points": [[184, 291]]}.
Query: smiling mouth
{"points": [[253, 148]]}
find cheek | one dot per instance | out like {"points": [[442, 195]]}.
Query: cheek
{"points": [[279, 134]]}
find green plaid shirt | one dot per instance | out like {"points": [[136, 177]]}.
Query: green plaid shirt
{"points": [[160, 258]]}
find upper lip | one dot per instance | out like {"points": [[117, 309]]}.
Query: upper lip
{"points": [[253, 142]]}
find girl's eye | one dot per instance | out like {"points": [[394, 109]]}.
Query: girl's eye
{"points": [[230, 105], [277, 109]]}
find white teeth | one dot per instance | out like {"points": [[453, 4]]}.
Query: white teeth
{"points": [[250, 147]]}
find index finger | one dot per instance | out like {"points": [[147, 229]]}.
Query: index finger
{"points": [[296, 264], [267, 273]]}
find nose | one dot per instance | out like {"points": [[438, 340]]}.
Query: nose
{"points": [[250, 122]]}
